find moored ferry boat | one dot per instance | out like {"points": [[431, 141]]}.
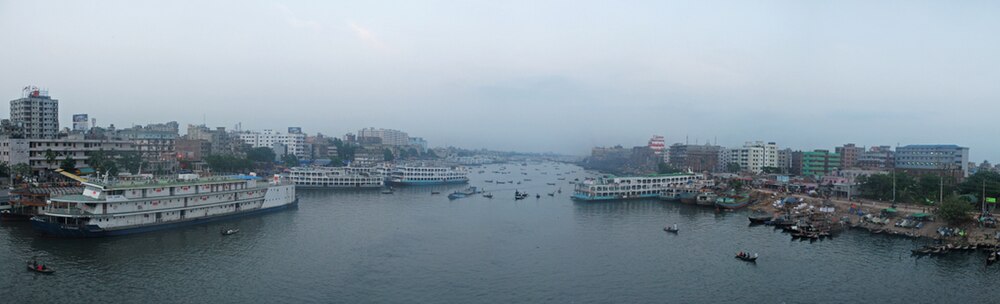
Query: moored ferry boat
{"points": [[615, 188], [675, 194], [418, 175], [337, 177], [108, 208]]}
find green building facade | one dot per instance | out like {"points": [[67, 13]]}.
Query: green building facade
{"points": [[820, 163]]}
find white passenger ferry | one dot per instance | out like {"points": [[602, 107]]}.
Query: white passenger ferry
{"points": [[107, 208], [418, 175], [337, 177], [615, 188]]}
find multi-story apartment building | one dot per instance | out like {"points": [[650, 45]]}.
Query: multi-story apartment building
{"points": [[368, 156], [295, 143], [657, 145], [219, 141], [193, 150], [785, 160], [752, 157], [35, 151], [697, 158], [387, 137], [877, 158], [951, 160], [35, 113], [419, 143], [820, 163], [156, 144], [849, 155]]}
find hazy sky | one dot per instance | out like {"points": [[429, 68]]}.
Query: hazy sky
{"points": [[538, 76]]}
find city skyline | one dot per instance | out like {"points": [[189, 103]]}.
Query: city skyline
{"points": [[526, 76]]}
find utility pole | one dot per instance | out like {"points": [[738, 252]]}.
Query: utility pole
{"points": [[941, 196], [894, 186]]}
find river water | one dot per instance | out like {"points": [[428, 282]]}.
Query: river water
{"points": [[415, 247]]}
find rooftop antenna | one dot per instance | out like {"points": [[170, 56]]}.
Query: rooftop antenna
{"points": [[686, 139]]}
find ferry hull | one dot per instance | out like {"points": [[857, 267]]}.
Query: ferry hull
{"points": [[373, 186], [427, 183], [612, 198], [57, 230]]}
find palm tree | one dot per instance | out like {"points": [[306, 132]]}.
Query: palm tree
{"points": [[50, 157]]}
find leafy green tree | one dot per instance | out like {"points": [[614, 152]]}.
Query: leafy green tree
{"points": [[344, 150], [68, 164], [664, 168], [50, 157], [388, 155], [290, 160], [228, 163], [733, 167], [771, 170], [432, 155], [930, 187], [129, 161], [4, 169], [102, 162], [879, 187], [261, 154], [982, 180], [954, 210], [21, 170]]}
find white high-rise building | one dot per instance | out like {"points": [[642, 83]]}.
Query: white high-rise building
{"points": [[388, 137], [752, 157], [295, 143]]}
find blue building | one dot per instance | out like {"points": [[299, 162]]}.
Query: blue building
{"points": [[924, 159]]}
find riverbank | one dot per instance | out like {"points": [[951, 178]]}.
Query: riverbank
{"points": [[974, 234]]}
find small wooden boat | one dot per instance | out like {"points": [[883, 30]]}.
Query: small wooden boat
{"points": [[435, 192], [747, 257], [732, 201], [488, 195], [759, 217], [230, 231], [672, 229], [519, 195], [44, 270]]}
